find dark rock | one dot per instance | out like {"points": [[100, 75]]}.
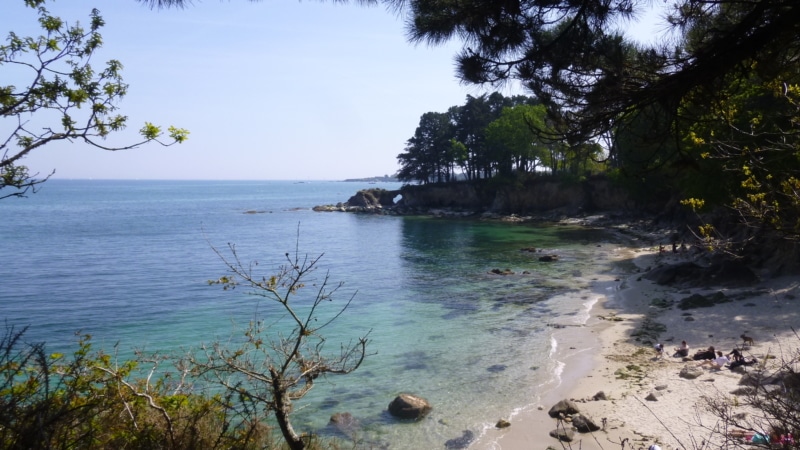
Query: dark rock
{"points": [[548, 258], [703, 301], [497, 368], [407, 406], [563, 434], [652, 397], [600, 396], [563, 408], [502, 423], [726, 272], [373, 198], [584, 424], [460, 442]]}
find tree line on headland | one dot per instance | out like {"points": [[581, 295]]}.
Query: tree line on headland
{"points": [[491, 136]]}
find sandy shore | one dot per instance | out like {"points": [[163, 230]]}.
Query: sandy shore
{"points": [[624, 367]]}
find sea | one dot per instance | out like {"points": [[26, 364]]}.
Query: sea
{"points": [[128, 262]]}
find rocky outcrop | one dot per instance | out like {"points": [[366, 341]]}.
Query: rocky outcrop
{"points": [[373, 198], [535, 195], [407, 406], [377, 200]]}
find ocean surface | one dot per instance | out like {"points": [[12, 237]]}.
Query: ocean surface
{"points": [[128, 263]]}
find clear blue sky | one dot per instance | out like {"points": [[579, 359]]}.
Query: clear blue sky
{"points": [[278, 89]]}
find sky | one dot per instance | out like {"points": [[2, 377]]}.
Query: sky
{"points": [[269, 90]]}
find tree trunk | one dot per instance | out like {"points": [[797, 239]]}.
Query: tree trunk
{"points": [[282, 408]]}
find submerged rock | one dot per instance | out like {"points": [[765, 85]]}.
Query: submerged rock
{"points": [[460, 442]]}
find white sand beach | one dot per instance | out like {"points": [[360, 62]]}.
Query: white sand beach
{"points": [[627, 371]]}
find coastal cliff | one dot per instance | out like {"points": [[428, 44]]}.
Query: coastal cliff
{"points": [[535, 196]]}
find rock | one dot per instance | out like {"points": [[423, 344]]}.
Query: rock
{"points": [[653, 397], [496, 368], [744, 390], [502, 423], [501, 272], [691, 372], [752, 379], [661, 387], [460, 442], [548, 258], [563, 434], [600, 396], [703, 301], [563, 408], [727, 272], [373, 198], [407, 406], [344, 423], [584, 424]]}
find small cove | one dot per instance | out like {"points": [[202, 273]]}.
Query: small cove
{"points": [[128, 261]]}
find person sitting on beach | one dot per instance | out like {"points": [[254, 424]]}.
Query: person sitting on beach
{"points": [[717, 363], [737, 359], [709, 353], [683, 350], [745, 435]]}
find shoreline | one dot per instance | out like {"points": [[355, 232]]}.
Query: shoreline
{"points": [[653, 404], [581, 351]]}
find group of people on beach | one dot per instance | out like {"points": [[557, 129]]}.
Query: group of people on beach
{"points": [[776, 437], [711, 357]]}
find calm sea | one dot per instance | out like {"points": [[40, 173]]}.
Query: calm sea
{"points": [[128, 263]]}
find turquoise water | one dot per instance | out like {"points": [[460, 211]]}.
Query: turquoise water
{"points": [[128, 263]]}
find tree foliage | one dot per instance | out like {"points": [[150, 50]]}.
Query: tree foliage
{"points": [[57, 95], [490, 135], [91, 400], [571, 54]]}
